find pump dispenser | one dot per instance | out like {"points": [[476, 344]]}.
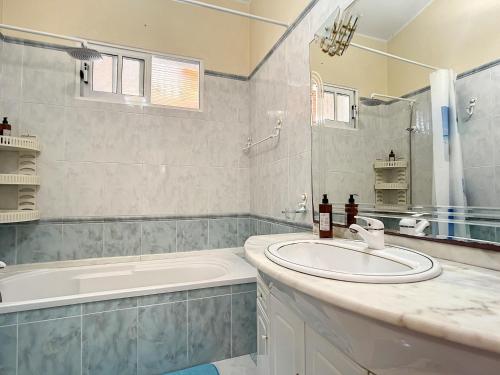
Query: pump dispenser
{"points": [[351, 210], [325, 218]]}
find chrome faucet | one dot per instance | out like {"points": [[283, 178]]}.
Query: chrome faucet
{"points": [[2, 265], [373, 236]]}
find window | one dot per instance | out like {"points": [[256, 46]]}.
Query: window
{"points": [[136, 77], [339, 106]]}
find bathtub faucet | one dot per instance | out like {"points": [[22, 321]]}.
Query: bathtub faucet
{"points": [[2, 265]]}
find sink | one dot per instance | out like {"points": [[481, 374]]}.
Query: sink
{"points": [[349, 260]]}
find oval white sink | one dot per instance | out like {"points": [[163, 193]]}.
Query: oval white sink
{"points": [[352, 261]]}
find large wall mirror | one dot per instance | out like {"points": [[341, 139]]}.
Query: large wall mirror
{"points": [[408, 117]]}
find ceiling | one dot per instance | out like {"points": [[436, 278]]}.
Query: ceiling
{"points": [[383, 19]]}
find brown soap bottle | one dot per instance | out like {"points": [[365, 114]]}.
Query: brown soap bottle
{"points": [[325, 218], [351, 210]]}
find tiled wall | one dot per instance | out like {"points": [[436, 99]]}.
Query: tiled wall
{"points": [[144, 335], [104, 160], [47, 242], [281, 169]]}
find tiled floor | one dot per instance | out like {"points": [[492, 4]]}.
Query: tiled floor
{"points": [[243, 365]]}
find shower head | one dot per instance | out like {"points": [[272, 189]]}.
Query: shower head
{"points": [[372, 102], [83, 53]]}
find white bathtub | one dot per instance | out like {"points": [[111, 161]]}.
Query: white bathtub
{"points": [[50, 287]]}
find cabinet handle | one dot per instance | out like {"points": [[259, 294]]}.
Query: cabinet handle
{"points": [[263, 337]]}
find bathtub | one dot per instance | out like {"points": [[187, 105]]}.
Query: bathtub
{"points": [[52, 287]]}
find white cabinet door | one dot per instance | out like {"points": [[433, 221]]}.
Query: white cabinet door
{"points": [[322, 358], [286, 340], [263, 365]]}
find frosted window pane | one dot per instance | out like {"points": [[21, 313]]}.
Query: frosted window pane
{"points": [[103, 74], [132, 77], [329, 106], [343, 108]]}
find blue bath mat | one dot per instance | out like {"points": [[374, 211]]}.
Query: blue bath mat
{"points": [[197, 370]]}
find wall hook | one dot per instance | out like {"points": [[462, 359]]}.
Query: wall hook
{"points": [[471, 107]]}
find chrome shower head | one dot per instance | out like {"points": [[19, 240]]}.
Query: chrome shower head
{"points": [[372, 102], [83, 53]]}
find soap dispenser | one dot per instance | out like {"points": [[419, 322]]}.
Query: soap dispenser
{"points": [[351, 210], [325, 218]]}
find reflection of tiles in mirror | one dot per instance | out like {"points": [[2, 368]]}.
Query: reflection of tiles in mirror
{"points": [[243, 365]]}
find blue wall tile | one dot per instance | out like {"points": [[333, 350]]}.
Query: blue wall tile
{"points": [[82, 240], [244, 317], [264, 227], [8, 244], [50, 347], [247, 227], [209, 292], [50, 313], [109, 342], [8, 319], [241, 288], [162, 338], [8, 348], [192, 235], [107, 305], [39, 243], [158, 237], [155, 299], [209, 337], [122, 239], [222, 233]]}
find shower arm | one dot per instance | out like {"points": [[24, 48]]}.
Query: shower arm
{"points": [[83, 42]]}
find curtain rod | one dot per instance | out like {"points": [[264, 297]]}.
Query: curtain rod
{"points": [[232, 11], [393, 56]]}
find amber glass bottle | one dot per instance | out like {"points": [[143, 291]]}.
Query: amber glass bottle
{"points": [[325, 218]]}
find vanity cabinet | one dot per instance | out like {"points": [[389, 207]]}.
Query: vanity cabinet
{"points": [[263, 363], [296, 349]]}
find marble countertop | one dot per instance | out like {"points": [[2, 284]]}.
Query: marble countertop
{"points": [[462, 305]]}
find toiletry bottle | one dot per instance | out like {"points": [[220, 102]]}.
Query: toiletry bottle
{"points": [[6, 128], [325, 218], [392, 156], [351, 210]]}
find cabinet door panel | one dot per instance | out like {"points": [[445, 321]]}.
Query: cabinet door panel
{"points": [[263, 365], [287, 340], [322, 358]]}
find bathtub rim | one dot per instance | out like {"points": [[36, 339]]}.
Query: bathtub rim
{"points": [[243, 273]]}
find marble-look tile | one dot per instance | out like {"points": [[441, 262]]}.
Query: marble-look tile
{"points": [[8, 244], [52, 189], [161, 191], [478, 193], [8, 350], [8, 319], [39, 243], [123, 189], [82, 240], [193, 184], [222, 190], [483, 233], [243, 365], [122, 239], [241, 288], [162, 338], [247, 227], [108, 305], [209, 337], [209, 292], [244, 323], [49, 313], [158, 237], [11, 71], [265, 227], [477, 143], [50, 347], [155, 299], [222, 233], [192, 235], [109, 343]]}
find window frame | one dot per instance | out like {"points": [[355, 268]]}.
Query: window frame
{"points": [[353, 110], [85, 92]]}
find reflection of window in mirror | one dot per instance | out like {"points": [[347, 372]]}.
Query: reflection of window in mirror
{"points": [[333, 106]]}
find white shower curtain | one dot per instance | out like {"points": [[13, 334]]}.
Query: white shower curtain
{"points": [[448, 178]]}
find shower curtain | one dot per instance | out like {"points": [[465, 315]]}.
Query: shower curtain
{"points": [[448, 178]]}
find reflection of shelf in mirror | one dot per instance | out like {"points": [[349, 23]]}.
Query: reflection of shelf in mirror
{"points": [[391, 186], [19, 143], [19, 179], [393, 207], [390, 164], [16, 216]]}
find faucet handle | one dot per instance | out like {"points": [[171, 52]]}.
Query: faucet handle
{"points": [[373, 224]]}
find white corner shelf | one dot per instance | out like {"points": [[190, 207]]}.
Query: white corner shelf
{"points": [[19, 179], [19, 143], [391, 186], [17, 216], [26, 179], [379, 164]]}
